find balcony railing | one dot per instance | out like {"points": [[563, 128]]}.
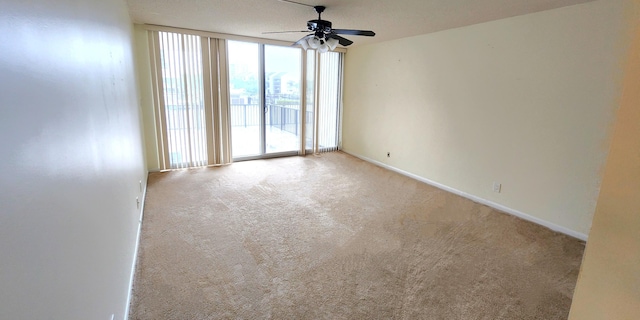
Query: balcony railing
{"points": [[283, 117], [281, 121]]}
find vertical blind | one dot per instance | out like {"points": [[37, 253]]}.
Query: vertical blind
{"points": [[186, 134], [329, 98], [191, 125], [310, 94]]}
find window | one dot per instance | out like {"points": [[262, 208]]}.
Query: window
{"points": [[216, 100]]}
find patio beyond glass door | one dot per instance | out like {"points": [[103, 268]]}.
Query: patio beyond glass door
{"points": [[245, 100], [282, 98], [264, 87]]}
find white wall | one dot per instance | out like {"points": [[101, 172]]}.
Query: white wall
{"points": [[526, 101], [72, 156], [609, 283]]}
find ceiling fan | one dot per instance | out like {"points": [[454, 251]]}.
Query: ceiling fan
{"points": [[323, 37]]}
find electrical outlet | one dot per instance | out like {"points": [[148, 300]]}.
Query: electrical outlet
{"points": [[497, 187], [388, 154], [137, 202]]}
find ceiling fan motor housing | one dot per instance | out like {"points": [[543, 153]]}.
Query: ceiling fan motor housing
{"points": [[323, 26]]}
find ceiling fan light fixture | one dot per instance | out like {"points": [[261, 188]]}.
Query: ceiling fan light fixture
{"points": [[322, 45], [323, 48], [314, 43], [304, 44], [332, 43]]}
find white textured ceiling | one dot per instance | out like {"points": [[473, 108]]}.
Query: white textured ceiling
{"points": [[390, 19]]}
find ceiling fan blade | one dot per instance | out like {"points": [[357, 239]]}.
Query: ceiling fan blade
{"points": [[367, 33], [294, 2], [271, 32], [343, 41]]}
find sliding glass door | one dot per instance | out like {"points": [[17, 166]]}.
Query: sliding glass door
{"points": [[282, 98], [264, 86], [245, 99]]}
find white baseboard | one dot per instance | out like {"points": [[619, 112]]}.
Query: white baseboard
{"points": [[477, 199], [135, 250]]}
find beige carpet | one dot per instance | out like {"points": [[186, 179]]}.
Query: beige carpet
{"points": [[333, 237]]}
